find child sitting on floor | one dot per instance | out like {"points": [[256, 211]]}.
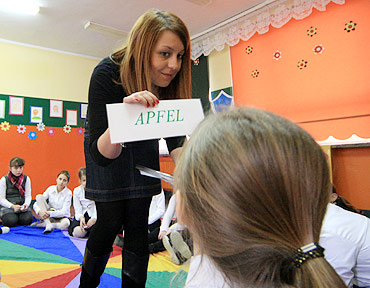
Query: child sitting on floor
{"points": [[55, 213], [175, 238], [15, 195], [85, 210]]}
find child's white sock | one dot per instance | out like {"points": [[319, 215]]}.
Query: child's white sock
{"points": [[49, 227], [4, 230]]}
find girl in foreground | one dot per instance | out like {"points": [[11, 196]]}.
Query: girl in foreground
{"points": [[253, 189]]}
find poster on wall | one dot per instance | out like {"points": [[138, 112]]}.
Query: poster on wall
{"points": [[56, 108], [83, 110], [71, 117], [2, 109], [35, 114], [16, 105]]}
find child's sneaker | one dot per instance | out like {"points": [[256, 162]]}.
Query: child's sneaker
{"points": [[168, 245], [180, 245]]}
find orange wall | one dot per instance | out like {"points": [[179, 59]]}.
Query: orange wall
{"points": [[351, 174], [328, 97], [167, 166], [45, 156], [334, 83]]}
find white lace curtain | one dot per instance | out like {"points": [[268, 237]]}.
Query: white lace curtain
{"points": [[276, 14]]}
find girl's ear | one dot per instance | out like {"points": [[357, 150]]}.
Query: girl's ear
{"points": [[333, 197]]}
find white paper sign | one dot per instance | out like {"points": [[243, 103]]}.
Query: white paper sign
{"points": [[135, 122]]}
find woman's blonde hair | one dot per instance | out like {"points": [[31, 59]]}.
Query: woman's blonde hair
{"points": [[254, 188], [135, 57]]}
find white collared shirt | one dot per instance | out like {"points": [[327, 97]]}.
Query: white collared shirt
{"points": [[83, 205], [59, 202], [157, 208], [345, 236], [203, 273]]}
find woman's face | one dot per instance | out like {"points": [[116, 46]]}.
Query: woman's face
{"points": [[166, 58]]}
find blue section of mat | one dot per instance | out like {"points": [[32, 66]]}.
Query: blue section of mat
{"points": [[54, 243]]}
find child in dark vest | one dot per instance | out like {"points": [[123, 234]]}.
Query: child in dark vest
{"points": [[15, 195]]}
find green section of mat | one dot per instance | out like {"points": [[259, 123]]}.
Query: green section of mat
{"points": [[157, 279], [166, 279], [23, 253]]}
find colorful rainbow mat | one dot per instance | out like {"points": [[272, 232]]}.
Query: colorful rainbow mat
{"points": [[29, 258]]}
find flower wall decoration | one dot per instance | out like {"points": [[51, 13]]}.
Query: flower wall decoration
{"points": [[67, 129], [5, 126], [318, 49], [32, 135], [40, 126], [350, 26], [277, 55], [312, 31], [51, 131], [80, 131], [255, 73], [21, 129], [249, 50], [302, 64]]}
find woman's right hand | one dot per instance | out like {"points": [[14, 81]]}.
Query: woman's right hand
{"points": [[143, 97]]}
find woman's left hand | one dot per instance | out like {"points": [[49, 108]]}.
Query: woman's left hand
{"points": [[143, 97]]}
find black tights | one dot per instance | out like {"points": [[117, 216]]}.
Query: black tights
{"points": [[132, 215], [17, 219]]}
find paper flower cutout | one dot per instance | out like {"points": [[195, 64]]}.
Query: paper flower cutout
{"points": [[277, 55], [312, 31], [32, 135], [5, 126], [249, 50], [350, 26], [80, 131], [302, 64], [51, 131], [318, 49], [21, 129], [255, 73], [67, 129], [40, 126]]}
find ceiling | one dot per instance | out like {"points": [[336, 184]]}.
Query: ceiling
{"points": [[60, 23]]}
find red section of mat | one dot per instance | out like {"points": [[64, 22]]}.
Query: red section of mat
{"points": [[59, 281], [116, 251]]}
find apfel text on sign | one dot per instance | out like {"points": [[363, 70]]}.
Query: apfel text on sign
{"points": [[159, 116], [135, 122]]}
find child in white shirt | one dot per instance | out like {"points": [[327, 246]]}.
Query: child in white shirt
{"points": [[54, 214], [85, 210]]}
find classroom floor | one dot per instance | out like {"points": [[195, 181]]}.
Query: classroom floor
{"points": [[29, 258]]}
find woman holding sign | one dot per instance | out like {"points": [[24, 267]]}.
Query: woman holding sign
{"points": [[154, 65]]}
